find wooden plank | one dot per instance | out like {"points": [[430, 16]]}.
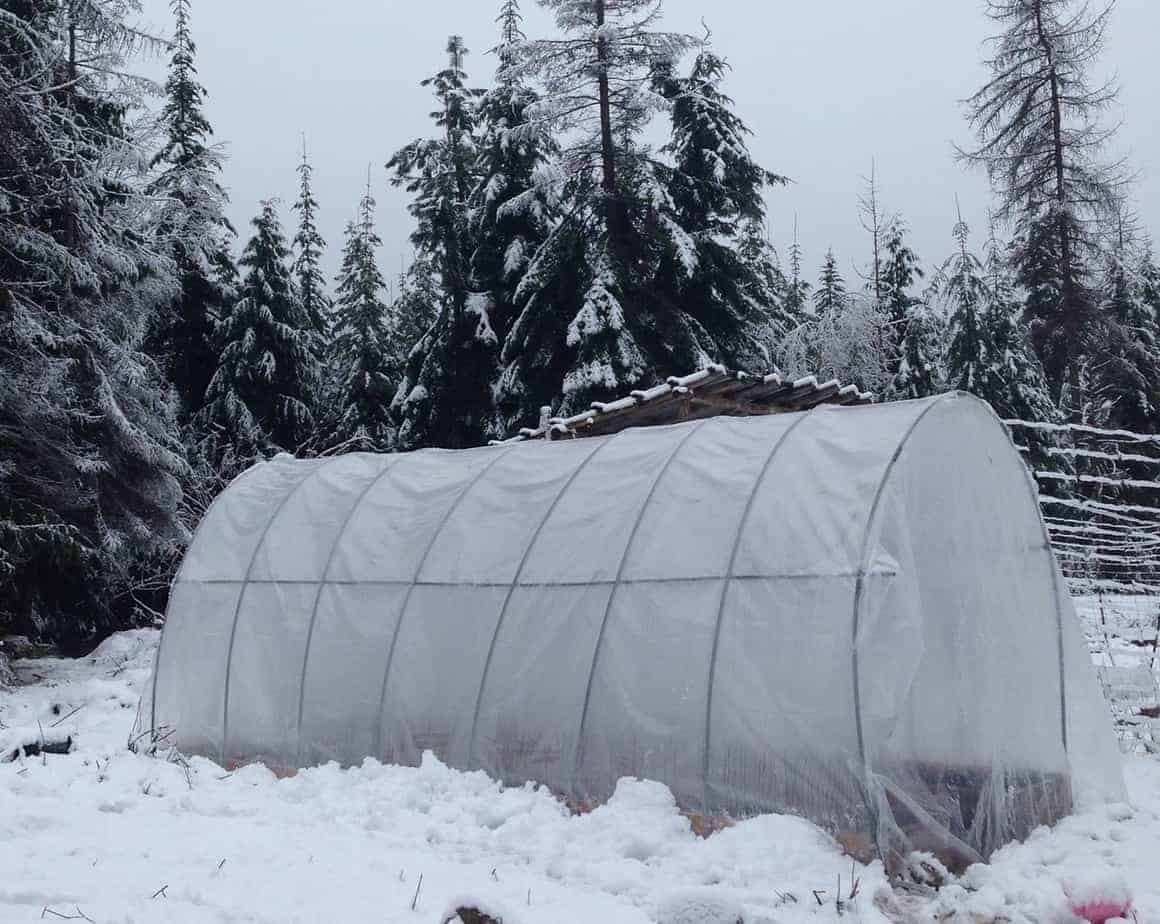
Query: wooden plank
{"points": [[718, 392], [814, 397]]}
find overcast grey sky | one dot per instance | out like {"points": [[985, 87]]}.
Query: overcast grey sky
{"points": [[825, 85]]}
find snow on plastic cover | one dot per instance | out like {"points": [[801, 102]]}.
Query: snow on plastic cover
{"points": [[850, 614]]}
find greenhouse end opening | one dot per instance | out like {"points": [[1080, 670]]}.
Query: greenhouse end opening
{"points": [[849, 614]]}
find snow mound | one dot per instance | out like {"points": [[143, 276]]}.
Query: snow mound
{"points": [[1093, 867], [700, 906], [133, 650]]}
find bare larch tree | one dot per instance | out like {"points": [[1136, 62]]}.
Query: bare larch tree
{"points": [[1040, 138]]}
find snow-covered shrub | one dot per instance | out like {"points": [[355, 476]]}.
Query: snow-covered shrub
{"points": [[851, 343]]}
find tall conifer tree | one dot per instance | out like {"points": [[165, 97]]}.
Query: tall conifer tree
{"points": [[989, 354], [767, 296], [362, 338], [1128, 377], [1020, 390], [964, 289], [899, 271], [259, 397], [89, 458], [188, 169], [830, 294], [594, 322], [511, 211], [736, 292], [445, 396], [309, 246], [918, 366], [1041, 143]]}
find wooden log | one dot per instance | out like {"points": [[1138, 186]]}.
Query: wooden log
{"points": [[43, 746], [470, 916]]}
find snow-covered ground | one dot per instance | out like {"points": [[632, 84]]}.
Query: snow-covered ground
{"points": [[105, 835], [1122, 632]]}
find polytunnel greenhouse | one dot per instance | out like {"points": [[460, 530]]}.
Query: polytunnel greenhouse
{"points": [[849, 614]]}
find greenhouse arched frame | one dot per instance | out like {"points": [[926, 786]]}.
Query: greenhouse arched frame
{"points": [[849, 614]]}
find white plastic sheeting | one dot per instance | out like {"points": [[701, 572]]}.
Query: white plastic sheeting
{"points": [[848, 614]]}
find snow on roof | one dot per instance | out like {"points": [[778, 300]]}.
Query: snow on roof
{"points": [[710, 392]]}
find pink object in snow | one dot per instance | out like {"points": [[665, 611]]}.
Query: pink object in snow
{"points": [[1102, 910], [1099, 896]]}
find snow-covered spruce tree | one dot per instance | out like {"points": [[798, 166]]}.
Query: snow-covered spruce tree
{"points": [[735, 291], [309, 246], [1016, 385], [899, 271], [259, 397], [412, 313], [765, 290], [963, 288], [445, 397], [1040, 141], [1128, 376], [510, 213], [187, 179], [1023, 392], [594, 322], [89, 459], [360, 353], [830, 295], [918, 363], [511, 209], [989, 354]]}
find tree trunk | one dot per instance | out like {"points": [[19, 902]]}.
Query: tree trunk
{"points": [[453, 257], [876, 232], [1069, 319], [607, 150], [614, 208], [70, 213]]}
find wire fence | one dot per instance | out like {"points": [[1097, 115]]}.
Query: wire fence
{"points": [[1100, 495]]}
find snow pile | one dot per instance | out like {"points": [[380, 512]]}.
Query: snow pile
{"points": [[96, 696], [1097, 866], [125, 838], [700, 907]]}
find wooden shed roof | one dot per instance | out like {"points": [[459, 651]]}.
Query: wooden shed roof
{"points": [[712, 392]]}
